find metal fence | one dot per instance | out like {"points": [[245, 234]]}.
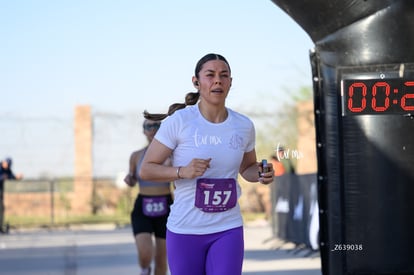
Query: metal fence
{"points": [[47, 201], [43, 147]]}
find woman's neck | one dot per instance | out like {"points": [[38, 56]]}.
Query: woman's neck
{"points": [[213, 113]]}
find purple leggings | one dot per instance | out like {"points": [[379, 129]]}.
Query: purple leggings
{"points": [[218, 253]]}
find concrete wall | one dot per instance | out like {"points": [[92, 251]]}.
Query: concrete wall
{"points": [[83, 185], [306, 146], [77, 202]]}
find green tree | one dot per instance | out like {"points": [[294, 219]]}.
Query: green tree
{"points": [[280, 127]]}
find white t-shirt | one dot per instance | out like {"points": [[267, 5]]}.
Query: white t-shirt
{"points": [[190, 136]]}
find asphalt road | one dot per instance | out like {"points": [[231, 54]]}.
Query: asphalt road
{"points": [[107, 250]]}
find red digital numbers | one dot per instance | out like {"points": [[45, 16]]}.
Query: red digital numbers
{"points": [[376, 96], [377, 89], [357, 87], [407, 96]]}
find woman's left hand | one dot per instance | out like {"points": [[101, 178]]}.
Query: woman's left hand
{"points": [[266, 177]]}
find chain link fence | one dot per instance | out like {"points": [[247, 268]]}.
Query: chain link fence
{"points": [[43, 147]]}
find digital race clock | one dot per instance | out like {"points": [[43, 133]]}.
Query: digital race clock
{"points": [[377, 90]]}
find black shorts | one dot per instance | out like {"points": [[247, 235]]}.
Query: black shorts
{"points": [[142, 223]]}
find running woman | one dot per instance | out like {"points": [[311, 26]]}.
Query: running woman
{"points": [[210, 145]]}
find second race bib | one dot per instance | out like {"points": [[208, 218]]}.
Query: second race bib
{"points": [[154, 206]]}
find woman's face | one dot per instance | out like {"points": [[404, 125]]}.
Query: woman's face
{"points": [[151, 128], [214, 81]]}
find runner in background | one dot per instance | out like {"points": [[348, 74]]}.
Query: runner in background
{"points": [[151, 209], [6, 173]]}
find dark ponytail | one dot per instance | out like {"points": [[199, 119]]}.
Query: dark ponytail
{"points": [[191, 98]]}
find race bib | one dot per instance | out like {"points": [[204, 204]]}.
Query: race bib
{"points": [[215, 195], [154, 206]]}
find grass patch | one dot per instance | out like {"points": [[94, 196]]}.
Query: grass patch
{"points": [[251, 216], [118, 219], [47, 222]]}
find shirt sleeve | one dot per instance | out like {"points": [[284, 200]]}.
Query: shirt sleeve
{"points": [[168, 132], [251, 142]]}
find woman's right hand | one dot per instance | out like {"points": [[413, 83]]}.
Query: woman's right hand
{"points": [[196, 168], [129, 180]]}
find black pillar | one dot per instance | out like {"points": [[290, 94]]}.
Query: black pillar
{"points": [[363, 75]]}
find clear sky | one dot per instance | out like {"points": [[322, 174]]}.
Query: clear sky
{"points": [[130, 55]]}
